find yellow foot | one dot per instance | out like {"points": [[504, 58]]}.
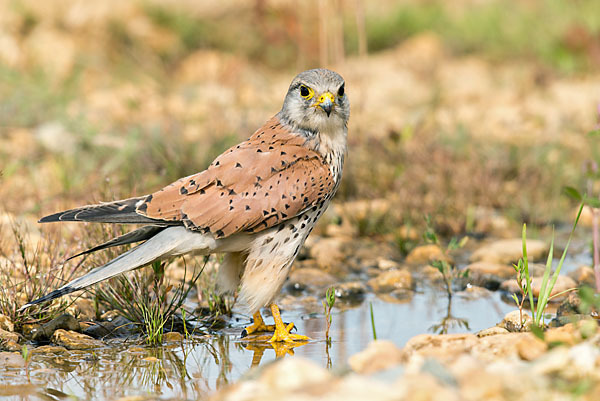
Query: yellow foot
{"points": [[257, 326], [282, 332]]}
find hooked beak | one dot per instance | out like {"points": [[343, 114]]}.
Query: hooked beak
{"points": [[326, 102]]}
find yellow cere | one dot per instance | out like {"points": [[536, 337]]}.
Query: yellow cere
{"points": [[323, 97]]}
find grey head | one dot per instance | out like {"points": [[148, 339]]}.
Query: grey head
{"points": [[317, 102]]}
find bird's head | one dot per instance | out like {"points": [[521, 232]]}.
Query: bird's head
{"points": [[317, 101]]}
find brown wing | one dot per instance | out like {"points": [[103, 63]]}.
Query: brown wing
{"points": [[267, 179]]}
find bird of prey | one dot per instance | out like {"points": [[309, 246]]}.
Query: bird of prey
{"points": [[256, 203]]}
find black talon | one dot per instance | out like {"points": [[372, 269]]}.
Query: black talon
{"points": [[244, 333]]}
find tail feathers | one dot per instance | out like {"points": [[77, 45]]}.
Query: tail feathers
{"points": [[123, 211], [139, 235], [160, 245]]}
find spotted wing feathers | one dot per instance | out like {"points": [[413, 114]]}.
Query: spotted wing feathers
{"points": [[267, 179]]}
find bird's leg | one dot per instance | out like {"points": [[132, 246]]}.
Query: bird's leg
{"points": [[258, 325], [282, 332]]}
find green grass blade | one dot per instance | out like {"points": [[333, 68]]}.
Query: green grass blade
{"points": [[527, 276], [545, 296], [544, 290]]}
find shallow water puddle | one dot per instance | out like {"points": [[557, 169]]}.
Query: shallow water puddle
{"points": [[200, 366]]}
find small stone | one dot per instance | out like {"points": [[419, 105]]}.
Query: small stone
{"points": [[83, 308], [75, 341], [570, 306], [509, 251], [10, 345], [391, 280], [426, 254], [379, 355], [387, 264], [584, 275], [172, 337], [489, 275], [8, 336], [432, 273], [6, 324], [11, 359], [531, 347], [492, 331], [567, 334], [48, 349], [291, 374], [64, 321], [353, 290], [311, 279], [512, 321], [328, 252]]}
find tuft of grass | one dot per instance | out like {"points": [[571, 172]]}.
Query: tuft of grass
{"points": [[28, 273], [548, 281], [449, 272], [146, 300]]}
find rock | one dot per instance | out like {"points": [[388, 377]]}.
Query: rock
{"points": [[489, 275], [509, 251], [8, 336], [328, 251], [64, 321], [474, 292], [569, 306], [379, 355], [290, 374], [584, 275], [172, 337], [74, 341], [83, 308], [6, 324], [512, 321], [391, 280], [563, 283], [11, 360], [387, 264], [531, 347], [426, 254], [353, 290], [48, 349], [10, 345], [432, 273], [492, 331], [309, 279]]}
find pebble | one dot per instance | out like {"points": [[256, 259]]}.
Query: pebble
{"points": [[48, 349], [508, 251], [426, 254], [6, 323], [379, 355], [352, 290], [172, 337], [584, 275], [391, 280], [489, 275], [309, 279], [328, 252], [8, 336], [531, 347], [75, 341], [64, 321], [512, 321], [10, 345], [11, 359], [491, 331]]}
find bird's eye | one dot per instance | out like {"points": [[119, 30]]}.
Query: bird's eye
{"points": [[341, 90], [306, 92]]}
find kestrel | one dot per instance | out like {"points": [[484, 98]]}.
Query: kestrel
{"points": [[256, 203]]}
